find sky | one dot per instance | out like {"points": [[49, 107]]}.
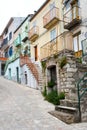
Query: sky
{"points": [[14, 8]]}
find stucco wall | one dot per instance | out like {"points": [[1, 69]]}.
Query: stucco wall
{"points": [[13, 67], [44, 34], [31, 81]]}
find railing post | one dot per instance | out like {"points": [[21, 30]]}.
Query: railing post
{"points": [[79, 103]]}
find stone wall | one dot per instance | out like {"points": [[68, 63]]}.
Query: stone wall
{"points": [[84, 108], [67, 79]]}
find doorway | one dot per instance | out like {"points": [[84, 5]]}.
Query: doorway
{"points": [[2, 69], [25, 77], [36, 53], [9, 73], [52, 74], [17, 73]]}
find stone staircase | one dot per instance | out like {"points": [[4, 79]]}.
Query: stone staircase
{"points": [[25, 60], [34, 68], [65, 113], [41, 77]]}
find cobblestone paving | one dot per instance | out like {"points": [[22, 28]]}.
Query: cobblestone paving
{"points": [[23, 108]]}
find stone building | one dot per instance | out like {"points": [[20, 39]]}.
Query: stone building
{"points": [[6, 43], [54, 50], [57, 34]]}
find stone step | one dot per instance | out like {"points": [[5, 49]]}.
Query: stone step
{"points": [[65, 117], [69, 103], [66, 109]]}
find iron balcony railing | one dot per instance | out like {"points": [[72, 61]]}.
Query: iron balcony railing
{"points": [[56, 45], [17, 41], [73, 14], [82, 90], [49, 16], [34, 31], [24, 36]]}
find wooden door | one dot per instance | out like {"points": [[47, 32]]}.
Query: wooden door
{"points": [[36, 53]]}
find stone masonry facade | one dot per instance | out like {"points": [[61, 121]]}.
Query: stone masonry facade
{"points": [[67, 79]]}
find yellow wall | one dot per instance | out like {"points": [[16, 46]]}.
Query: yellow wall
{"points": [[44, 34]]}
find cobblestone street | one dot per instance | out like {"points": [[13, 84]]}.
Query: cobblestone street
{"points": [[23, 108]]}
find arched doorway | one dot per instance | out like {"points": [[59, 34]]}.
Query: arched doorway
{"points": [[51, 73]]}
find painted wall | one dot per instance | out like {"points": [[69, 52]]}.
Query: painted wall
{"points": [[23, 29], [0, 68], [12, 27], [13, 67], [44, 34], [31, 81]]}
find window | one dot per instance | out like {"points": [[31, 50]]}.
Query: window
{"points": [[53, 34], [77, 42], [67, 7], [19, 38], [10, 36], [10, 51], [6, 54]]}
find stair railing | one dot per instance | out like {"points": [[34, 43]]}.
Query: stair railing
{"points": [[81, 85]]}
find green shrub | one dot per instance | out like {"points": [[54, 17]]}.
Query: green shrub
{"points": [[43, 64], [52, 97], [44, 93], [51, 84], [79, 59], [61, 95], [63, 62]]}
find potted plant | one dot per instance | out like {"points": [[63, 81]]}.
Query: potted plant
{"points": [[51, 84], [63, 62]]}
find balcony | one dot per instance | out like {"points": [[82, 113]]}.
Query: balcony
{"points": [[51, 18], [61, 42], [17, 41], [72, 18], [24, 36], [34, 33]]}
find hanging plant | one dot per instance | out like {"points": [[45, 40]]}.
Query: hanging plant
{"points": [[51, 84], [55, 56], [43, 64], [62, 62]]}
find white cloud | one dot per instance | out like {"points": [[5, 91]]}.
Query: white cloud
{"points": [[10, 8]]}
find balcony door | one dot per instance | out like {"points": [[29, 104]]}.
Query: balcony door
{"points": [[75, 10], [53, 35], [17, 73], [77, 44]]}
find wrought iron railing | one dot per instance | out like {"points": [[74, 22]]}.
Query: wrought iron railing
{"points": [[56, 45], [82, 89], [53, 13], [33, 31], [73, 13]]}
